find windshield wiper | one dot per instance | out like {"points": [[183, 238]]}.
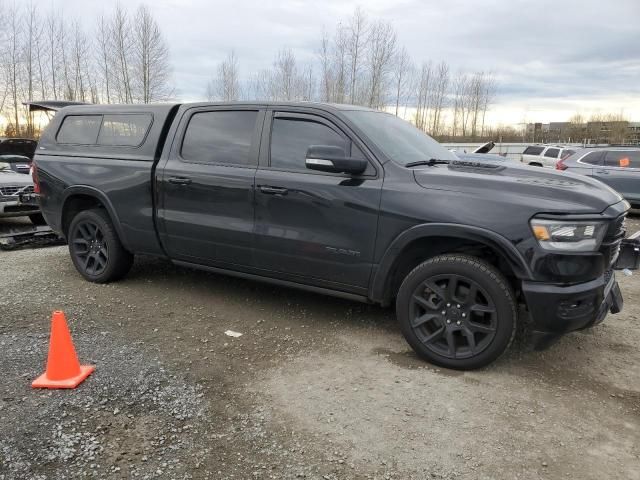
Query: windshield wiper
{"points": [[431, 162]]}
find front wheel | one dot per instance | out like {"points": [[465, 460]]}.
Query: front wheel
{"points": [[457, 311], [96, 250]]}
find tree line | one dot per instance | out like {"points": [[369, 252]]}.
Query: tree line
{"points": [[117, 58], [122, 57], [362, 62]]}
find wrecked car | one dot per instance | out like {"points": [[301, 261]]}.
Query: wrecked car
{"points": [[17, 197]]}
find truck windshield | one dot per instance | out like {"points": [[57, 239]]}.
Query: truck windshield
{"points": [[399, 140]]}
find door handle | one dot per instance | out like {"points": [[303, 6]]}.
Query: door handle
{"points": [[273, 190], [179, 180], [605, 172]]}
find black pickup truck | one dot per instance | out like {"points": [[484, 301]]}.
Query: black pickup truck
{"points": [[339, 200]]}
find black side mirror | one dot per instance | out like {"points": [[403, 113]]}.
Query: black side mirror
{"points": [[328, 158]]}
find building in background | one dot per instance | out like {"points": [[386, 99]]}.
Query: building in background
{"points": [[617, 132]]}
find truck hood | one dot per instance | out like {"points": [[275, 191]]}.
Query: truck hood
{"points": [[544, 190]]}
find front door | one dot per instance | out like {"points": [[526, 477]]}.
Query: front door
{"points": [[207, 187], [312, 226], [621, 171]]}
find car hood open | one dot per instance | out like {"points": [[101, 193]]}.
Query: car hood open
{"points": [[544, 190]]}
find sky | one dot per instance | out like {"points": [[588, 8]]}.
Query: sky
{"points": [[551, 59]]}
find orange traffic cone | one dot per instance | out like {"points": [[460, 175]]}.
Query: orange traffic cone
{"points": [[63, 368]]}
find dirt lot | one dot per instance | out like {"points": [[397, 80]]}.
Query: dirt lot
{"points": [[314, 388]]}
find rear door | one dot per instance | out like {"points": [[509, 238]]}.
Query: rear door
{"points": [[550, 156], [586, 163], [207, 186], [314, 227], [621, 171]]}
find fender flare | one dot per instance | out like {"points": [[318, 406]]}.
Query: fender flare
{"points": [[491, 239], [102, 198]]}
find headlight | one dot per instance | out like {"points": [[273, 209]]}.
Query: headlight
{"points": [[4, 166], [568, 236]]}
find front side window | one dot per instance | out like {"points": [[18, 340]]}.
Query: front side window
{"points": [[291, 138], [533, 150], [622, 159], [221, 136], [124, 130], [552, 153], [79, 129]]}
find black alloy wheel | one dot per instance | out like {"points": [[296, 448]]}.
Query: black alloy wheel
{"points": [[453, 316], [95, 248], [457, 311], [89, 247]]}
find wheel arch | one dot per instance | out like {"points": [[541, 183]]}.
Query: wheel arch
{"points": [[421, 242], [81, 197]]}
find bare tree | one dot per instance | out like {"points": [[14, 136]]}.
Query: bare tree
{"points": [[326, 68], [423, 85], [340, 67], [121, 43], [401, 75], [13, 63], [488, 93], [53, 27], [31, 32], [438, 96], [226, 85], [382, 49], [356, 40], [103, 56], [150, 58], [459, 91], [306, 84]]}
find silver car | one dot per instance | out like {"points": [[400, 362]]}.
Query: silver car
{"points": [[618, 167], [17, 198]]}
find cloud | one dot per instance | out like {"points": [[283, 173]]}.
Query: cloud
{"points": [[539, 50]]}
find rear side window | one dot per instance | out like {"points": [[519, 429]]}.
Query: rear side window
{"points": [[222, 136], [533, 150], [80, 129], [552, 152], [290, 139], [592, 158], [628, 159], [124, 130]]}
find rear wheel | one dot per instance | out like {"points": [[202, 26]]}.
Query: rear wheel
{"points": [[96, 250], [457, 311]]}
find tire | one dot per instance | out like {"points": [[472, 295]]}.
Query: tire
{"points": [[457, 311], [95, 249], [37, 219]]}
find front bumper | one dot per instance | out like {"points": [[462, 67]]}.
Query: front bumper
{"points": [[556, 310]]}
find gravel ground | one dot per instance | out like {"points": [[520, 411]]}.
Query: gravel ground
{"points": [[315, 387]]}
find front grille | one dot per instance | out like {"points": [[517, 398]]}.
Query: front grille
{"points": [[15, 190]]}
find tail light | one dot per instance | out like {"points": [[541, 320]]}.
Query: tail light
{"points": [[560, 165], [34, 177]]}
